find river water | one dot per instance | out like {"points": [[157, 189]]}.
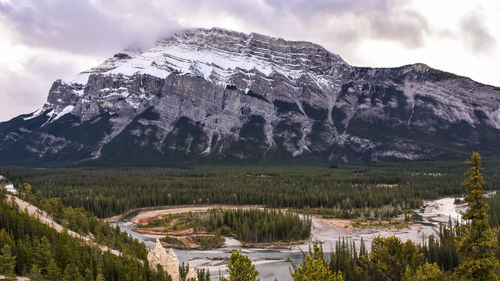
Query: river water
{"points": [[276, 262]]}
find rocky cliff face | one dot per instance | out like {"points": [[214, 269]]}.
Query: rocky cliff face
{"points": [[218, 95]]}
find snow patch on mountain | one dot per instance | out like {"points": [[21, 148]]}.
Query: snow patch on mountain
{"points": [[66, 110], [34, 114]]}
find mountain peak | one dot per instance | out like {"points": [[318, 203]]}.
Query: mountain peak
{"points": [[217, 94], [216, 53]]}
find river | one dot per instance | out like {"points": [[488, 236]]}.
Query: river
{"points": [[276, 262]]}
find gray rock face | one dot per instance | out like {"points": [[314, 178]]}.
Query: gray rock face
{"points": [[218, 95]]}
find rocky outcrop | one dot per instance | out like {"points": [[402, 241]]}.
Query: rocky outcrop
{"points": [[191, 275], [219, 95], [169, 262]]}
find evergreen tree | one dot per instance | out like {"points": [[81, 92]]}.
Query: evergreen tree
{"points": [[240, 268], [99, 277], [390, 257], [427, 272], [44, 254], [52, 271], [35, 273], [478, 243], [70, 273], [7, 261], [314, 269], [203, 274]]}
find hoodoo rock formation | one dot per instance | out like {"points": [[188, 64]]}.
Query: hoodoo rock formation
{"points": [[169, 262]]}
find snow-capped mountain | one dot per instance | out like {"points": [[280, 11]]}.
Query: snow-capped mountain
{"points": [[210, 95]]}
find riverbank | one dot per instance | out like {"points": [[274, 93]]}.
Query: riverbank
{"points": [[276, 260], [202, 227]]}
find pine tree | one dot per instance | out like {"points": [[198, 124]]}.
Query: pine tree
{"points": [[43, 254], [240, 268], [314, 269], [70, 272], [52, 271], [7, 261], [35, 273], [478, 243], [390, 257], [427, 272], [99, 277]]}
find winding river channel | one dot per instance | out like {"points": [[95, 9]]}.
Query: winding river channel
{"points": [[276, 262]]}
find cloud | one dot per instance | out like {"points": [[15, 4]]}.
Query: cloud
{"points": [[381, 19], [68, 36], [82, 26], [24, 87], [98, 26], [475, 34]]}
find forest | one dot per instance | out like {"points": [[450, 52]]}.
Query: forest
{"points": [[30, 248], [251, 225], [254, 225], [465, 252], [385, 190]]}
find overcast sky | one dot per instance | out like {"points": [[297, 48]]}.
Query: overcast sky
{"points": [[43, 40]]}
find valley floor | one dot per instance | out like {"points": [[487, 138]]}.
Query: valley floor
{"points": [[276, 260]]}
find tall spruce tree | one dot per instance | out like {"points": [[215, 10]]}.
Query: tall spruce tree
{"points": [[478, 243]]}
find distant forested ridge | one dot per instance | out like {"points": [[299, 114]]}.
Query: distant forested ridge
{"points": [[350, 192]]}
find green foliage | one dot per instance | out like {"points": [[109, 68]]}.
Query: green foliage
{"points": [[314, 269], [390, 257], [7, 261], [248, 225], [477, 243], [426, 272], [442, 249], [35, 273], [209, 242], [347, 192], [45, 254], [183, 270], [203, 274], [347, 260], [240, 268], [99, 277], [256, 225], [78, 220]]}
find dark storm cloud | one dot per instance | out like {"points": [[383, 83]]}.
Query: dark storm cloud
{"points": [[476, 35]]}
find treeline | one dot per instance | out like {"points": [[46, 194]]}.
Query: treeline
{"points": [[440, 250], [30, 248], [344, 192], [389, 260], [256, 225]]}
